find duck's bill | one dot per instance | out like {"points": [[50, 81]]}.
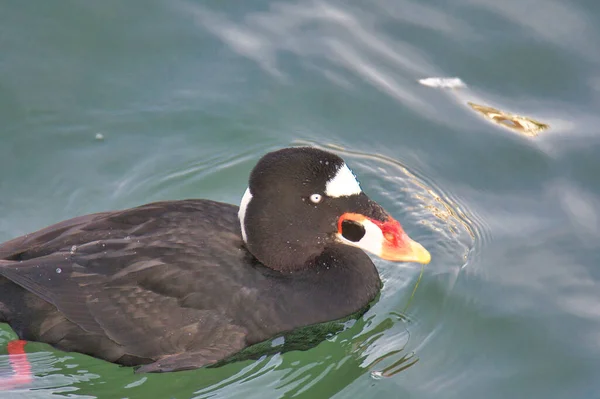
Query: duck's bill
{"points": [[384, 239]]}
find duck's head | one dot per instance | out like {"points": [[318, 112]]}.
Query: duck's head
{"points": [[302, 200]]}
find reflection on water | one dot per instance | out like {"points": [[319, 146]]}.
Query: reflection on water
{"points": [[565, 25], [337, 40], [54, 373], [373, 346]]}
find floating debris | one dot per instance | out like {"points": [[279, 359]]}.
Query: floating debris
{"points": [[376, 375], [99, 136], [58, 270], [73, 249], [443, 83], [521, 124]]}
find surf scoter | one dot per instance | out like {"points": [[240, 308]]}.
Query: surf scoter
{"points": [[178, 285]]}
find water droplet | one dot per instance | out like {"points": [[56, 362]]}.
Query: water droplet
{"points": [[58, 270]]}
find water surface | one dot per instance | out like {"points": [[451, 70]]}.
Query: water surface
{"points": [[187, 95]]}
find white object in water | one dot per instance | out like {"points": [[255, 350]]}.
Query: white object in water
{"points": [[443, 83]]}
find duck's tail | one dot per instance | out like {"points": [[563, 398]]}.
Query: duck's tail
{"points": [[4, 311]]}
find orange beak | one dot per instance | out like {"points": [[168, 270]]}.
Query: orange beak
{"points": [[384, 239]]}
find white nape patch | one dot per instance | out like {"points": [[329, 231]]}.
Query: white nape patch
{"points": [[372, 241], [242, 212], [343, 184]]}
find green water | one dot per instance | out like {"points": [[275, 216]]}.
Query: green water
{"points": [[188, 95]]}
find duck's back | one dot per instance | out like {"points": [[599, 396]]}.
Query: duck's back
{"points": [[156, 282]]}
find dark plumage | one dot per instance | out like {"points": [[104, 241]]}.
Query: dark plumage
{"points": [[172, 285]]}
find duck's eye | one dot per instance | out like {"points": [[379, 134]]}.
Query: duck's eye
{"points": [[316, 198]]}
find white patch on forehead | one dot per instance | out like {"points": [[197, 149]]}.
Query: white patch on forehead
{"points": [[343, 184], [242, 212]]}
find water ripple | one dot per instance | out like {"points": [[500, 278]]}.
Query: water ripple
{"points": [[338, 40]]}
